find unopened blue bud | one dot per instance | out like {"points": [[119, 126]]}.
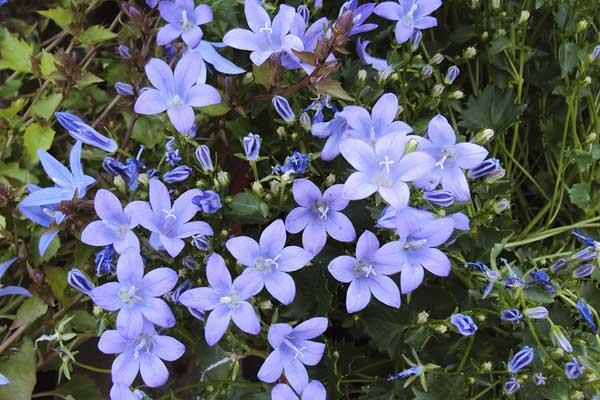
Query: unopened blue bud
{"points": [[387, 219], [442, 198], [104, 261], [511, 386], [487, 167], [124, 52], [124, 89], [426, 71], [451, 75], [172, 155], [203, 157], [465, 324], [583, 270], [586, 254], [415, 39], [586, 315], [559, 265], [251, 146], [415, 370], [283, 108], [560, 339], [81, 131], [511, 315], [539, 379], [177, 174], [573, 369], [79, 281], [536, 312], [200, 242], [304, 12], [523, 358], [596, 53], [208, 201], [184, 287]]}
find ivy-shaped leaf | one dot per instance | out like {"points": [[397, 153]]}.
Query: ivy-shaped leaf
{"points": [[16, 53], [96, 34]]}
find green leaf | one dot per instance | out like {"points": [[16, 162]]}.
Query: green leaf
{"points": [[500, 44], [16, 53], [20, 369], [262, 74], [579, 194], [45, 107], [57, 279], [81, 387], [333, 88], [148, 131], [248, 207], [596, 151], [386, 327], [47, 64], [31, 309], [491, 109], [216, 110], [12, 170], [96, 34], [568, 57], [61, 16], [88, 79], [37, 137], [12, 111], [10, 88]]}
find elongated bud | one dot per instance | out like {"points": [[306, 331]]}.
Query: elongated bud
{"points": [[422, 317], [362, 75], [251, 146], [560, 338], [411, 146], [283, 108], [582, 25], [584, 270], [415, 39], [124, 89], [258, 189], [79, 281], [521, 359], [437, 58], [203, 156], [305, 121], [442, 198], [81, 131], [511, 315], [304, 12], [124, 52], [501, 205], [426, 71], [457, 94], [177, 174], [470, 52], [536, 312], [451, 74], [464, 324], [438, 90], [495, 4], [222, 180], [486, 168], [483, 136], [596, 53], [559, 265], [524, 17]]}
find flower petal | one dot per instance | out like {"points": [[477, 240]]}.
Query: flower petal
{"points": [[111, 342], [107, 296], [160, 75], [385, 290], [97, 233], [217, 273], [272, 239], [358, 186], [305, 193], [292, 258], [358, 295], [341, 268], [384, 111], [469, 155], [366, 246], [159, 281], [314, 237], [167, 34], [154, 372], [182, 118], [203, 95], [168, 348], [296, 374], [130, 267], [340, 227], [297, 219], [125, 368], [440, 132], [203, 298], [410, 277], [310, 328], [244, 316], [455, 181], [281, 286], [244, 249], [272, 368], [216, 324], [358, 153], [241, 39]]}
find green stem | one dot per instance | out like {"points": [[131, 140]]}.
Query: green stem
{"points": [[92, 368]]}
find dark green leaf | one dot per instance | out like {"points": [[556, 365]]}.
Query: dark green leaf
{"points": [[491, 109], [580, 194], [31, 309], [81, 387], [248, 207], [568, 57], [20, 369]]}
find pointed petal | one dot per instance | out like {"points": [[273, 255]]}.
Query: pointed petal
{"points": [[203, 95], [296, 374], [410, 277], [311, 328], [168, 348], [158, 312], [203, 298], [272, 239], [292, 258], [182, 118], [272, 368], [358, 295], [340, 227], [246, 319], [154, 372], [334, 196], [281, 286], [455, 181], [314, 237], [358, 186], [384, 111], [297, 219], [305, 193], [217, 273], [358, 153], [130, 322], [159, 281], [167, 34], [111, 342], [397, 195], [440, 132], [256, 16], [241, 39], [216, 324], [173, 246], [366, 246], [130, 267], [97, 233], [159, 196], [469, 155], [125, 368], [244, 249], [385, 290], [150, 102], [341, 268], [160, 75], [107, 296]]}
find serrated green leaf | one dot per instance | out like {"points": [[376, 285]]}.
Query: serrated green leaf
{"points": [[45, 107], [12, 170], [248, 207], [61, 16], [31, 309], [10, 88], [10, 112], [47, 64], [16, 53], [491, 109], [88, 79], [96, 34], [568, 57], [333, 88], [262, 74], [57, 279], [37, 137], [20, 369], [579, 194], [148, 131]]}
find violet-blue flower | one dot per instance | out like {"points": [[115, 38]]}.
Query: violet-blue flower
{"points": [[451, 158], [586, 315], [464, 323], [207, 52], [296, 163], [115, 226], [208, 201], [442, 198], [511, 315], [335, 131], [251, 146], [521, 359], [184, 19], [226, 300], [319, 215], [84, 133], [415, 370], [202, 154], [103, 260], [359, 16], [175, 92], [511, 386], [379, 64], [269, 261], [11, 290], [384, 169], [378, 123], [136, 295], [573, 369], [265, 38], [410, 14], [69, 185], [124, 89], [314, 390], [367, 273], [129, 171], [144, 353], [283, 108], [177, 174], [168, 223], [292, 350]]}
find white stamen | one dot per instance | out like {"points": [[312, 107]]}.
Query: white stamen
{"points": [[386, 164]]}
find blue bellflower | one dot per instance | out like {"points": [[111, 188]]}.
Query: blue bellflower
{"points": [[104, 261], [586, 315], [292, 350], [573, 369], [465, 324], [334, 130], [410, 14], [184, 19], [511, 386], [207, 53], [78, 281], [202, 154], [314, 390], [511, 315], [251, 144], [319, 215], [226, 300], [208, 201], [269, 261], [137, 296], [380, 65]]}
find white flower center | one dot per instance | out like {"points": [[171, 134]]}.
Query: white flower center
{"points": [[267, 28], [386, 164], [408, 18], [176, 102], [128, 295], [266, 264], [186, 25], [448, 155], [169, 214], [321, 208], [232, 299], [145, 345], [415, 244], [363, 268]]}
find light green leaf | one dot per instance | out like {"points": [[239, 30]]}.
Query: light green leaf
{"points": [[12, 170], [45, 107], [96, 34], [148, 131], [20, 369], [248, 207], [263, 74], [57, 279], [30, 310], [88, 79], [579, 194], [333, 88], [14, 108], [47, 64], [61, 16], [37, 137], [16, 53]]}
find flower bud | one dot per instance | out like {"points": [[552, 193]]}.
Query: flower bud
{"points": [[124, 89], [415, 39], [441, 328], [595, 53], [222, 180], [582, 25], [591, 137], [486, 366], [283, 108], [120, 184], [524, 17], [361, 76], [258, 189], [177, 174], [251, 146], [483, 136], [329, 180], [442, 198], [495, 4], [494, 176], [573, 369], [79, 281], [470, 52], [281, 132], [208, 202], [559, 265], [587, 81], [560, 338], [411, 146], [84, 133], [203, 156], [124, 52], [512, 385], [304, 12], [437, 58], [200, 242], [487, 167], [464, 324], [422, 317], [521, 359], [536, 312], [305, 121], [451, 74], [501, 205], [426, 71], [265, 305], [457, 94], [438, 90], [511, 315], [584, 270], [248, 78]]}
